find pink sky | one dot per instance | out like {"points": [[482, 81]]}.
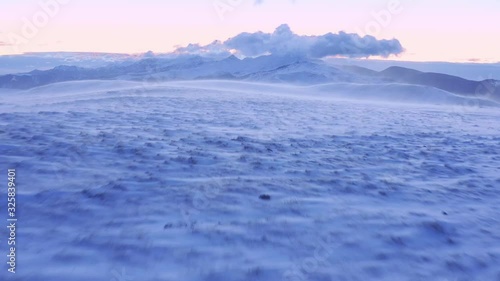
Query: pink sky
{"points": [[442, 30]]}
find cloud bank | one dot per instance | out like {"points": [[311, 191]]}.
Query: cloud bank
{"points": [[285, 42]]}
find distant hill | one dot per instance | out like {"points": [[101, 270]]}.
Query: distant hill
{"points": [[487, 89], [445, 82]]}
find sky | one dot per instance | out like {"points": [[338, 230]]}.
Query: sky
{"points": [[428, 30]]}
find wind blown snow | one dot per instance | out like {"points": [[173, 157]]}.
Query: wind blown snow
{"points": [[203, 181]]}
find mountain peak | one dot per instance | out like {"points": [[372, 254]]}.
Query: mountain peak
{"points": [[231, 58]]}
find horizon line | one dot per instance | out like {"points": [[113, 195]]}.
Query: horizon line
{"points": [[372, 58]]}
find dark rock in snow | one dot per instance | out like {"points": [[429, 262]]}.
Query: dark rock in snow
{"points": [[265, 197]]}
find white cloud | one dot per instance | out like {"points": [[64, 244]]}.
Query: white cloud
{"points": [[285, 42]]}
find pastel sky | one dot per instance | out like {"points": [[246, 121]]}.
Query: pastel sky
{"points": [[429, 30]]}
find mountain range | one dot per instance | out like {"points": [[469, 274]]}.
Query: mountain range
{"points": [[268, 69]]}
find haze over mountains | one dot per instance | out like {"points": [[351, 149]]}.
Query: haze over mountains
{"points": [[268, 69]]}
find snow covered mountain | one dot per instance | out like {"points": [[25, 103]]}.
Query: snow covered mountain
{"points": [[255, 164], [270, 69]]}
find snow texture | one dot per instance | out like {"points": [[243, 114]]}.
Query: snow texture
{"points": [[213, 180]]}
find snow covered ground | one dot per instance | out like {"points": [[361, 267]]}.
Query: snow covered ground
{"points": [[121, 181]]}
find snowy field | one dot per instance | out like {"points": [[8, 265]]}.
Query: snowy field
{"points": [[120, 181]]}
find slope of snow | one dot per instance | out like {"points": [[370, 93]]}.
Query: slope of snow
{"points": [[126, 181], [395, 93], [402, 93]]}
